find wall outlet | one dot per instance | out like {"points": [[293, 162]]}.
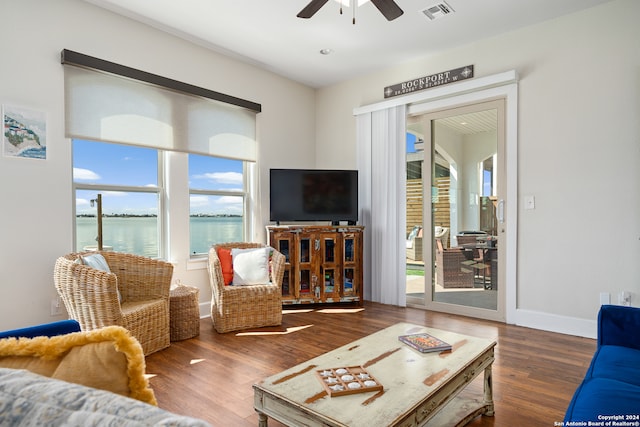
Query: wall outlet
{"points": [[529, 202], [624, 298], [56, 307], [605, 298]]}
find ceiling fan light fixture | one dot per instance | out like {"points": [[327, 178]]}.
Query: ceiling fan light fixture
{"points": [[326, 51]]}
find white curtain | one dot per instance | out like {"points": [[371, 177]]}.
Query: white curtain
{"points": [[381, 137]]}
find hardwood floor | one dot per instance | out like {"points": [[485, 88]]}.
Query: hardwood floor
{"points": [[211, 376]]}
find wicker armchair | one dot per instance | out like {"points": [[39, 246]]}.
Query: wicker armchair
{"points": [[452, 269], [242, 307], [91, 296]]}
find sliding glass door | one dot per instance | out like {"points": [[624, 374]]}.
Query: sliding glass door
{"points": [[455, 174]]}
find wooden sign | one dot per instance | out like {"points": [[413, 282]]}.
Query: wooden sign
{"points": [[427, 82]]}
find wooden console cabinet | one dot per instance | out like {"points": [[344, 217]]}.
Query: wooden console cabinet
{"points": [[323, 263]]}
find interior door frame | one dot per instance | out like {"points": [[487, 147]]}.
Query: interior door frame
{"points": [[509, 93]]}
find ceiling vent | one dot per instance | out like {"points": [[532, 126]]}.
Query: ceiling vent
{"points": [[437, 11]]}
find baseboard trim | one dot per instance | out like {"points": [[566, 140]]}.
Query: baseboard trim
{"points": [[205, 309], [556, 323]]}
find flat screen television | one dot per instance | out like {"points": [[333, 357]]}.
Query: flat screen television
{"points": [[313, 195]]}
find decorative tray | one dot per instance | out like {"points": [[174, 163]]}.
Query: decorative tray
{"points": [[347, 380]]}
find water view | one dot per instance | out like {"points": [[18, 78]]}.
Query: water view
{"points": [[139, 235]]}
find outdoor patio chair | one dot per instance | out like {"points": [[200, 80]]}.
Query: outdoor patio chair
{"points": [[451, 270]]}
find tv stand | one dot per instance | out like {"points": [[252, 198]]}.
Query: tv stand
{"points": [[323, 263]]}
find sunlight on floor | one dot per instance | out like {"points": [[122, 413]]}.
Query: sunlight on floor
{"points": [[299, 328], [324, 310], [302, 310], [340, 310], [288, 331], [194, 361]]}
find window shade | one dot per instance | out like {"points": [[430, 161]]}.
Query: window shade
{"points": [[106, 107]]}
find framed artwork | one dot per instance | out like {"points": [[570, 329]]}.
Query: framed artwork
{"points": [[24, 133]]}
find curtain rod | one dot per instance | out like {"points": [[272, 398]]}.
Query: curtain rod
{"points": [[70, 57]]}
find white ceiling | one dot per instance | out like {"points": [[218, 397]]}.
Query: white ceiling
{"points": [[268, 34]]}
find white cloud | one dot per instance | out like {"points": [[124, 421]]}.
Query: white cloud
{"points": [[84, 175], [230, 200], [222, 177], [199, 201], [203, 204]]}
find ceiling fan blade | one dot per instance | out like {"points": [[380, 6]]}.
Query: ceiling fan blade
{"points": [[311, 8], [388, 8]]}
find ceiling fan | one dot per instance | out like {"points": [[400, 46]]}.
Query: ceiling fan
{"points": [[388, 8]]}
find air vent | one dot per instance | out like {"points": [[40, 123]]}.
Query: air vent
{"points": [[437, 11]]}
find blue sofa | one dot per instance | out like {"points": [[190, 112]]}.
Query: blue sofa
{"points": [[610, 391], [60, 327]]}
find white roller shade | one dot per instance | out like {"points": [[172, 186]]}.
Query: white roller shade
{"points": [[111, 108]]}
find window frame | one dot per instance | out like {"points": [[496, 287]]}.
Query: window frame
{"points": [[159, 190], [245, 201]]}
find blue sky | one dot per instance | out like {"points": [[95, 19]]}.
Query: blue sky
{"points": [[411, 140], [114, 164]]}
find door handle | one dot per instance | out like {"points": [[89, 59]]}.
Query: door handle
{"points": [[501, 211]]}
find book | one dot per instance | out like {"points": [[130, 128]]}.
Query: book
{"points": [[424, 342]]}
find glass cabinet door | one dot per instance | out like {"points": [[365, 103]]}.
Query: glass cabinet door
{"points": [[284, 246], [329, 267], [351, 272], [307, 280], [283, 242]]}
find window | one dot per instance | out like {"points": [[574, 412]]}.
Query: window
{"points": [[156, 117], [127, 179], [488, 178], [217, 206]]}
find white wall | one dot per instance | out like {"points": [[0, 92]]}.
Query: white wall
{"points": [[36, 197], [450, 145], [477, 148], [578, 154]]}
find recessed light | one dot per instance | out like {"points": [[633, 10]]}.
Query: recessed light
{"points": [[326, 51]]}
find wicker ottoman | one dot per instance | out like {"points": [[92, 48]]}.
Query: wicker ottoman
{"points": [[185, 313]]}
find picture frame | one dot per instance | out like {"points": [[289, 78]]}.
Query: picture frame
{"points": [[24, 133]]}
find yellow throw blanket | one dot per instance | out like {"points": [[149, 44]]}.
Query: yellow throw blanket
{"points": [[108, 358]]}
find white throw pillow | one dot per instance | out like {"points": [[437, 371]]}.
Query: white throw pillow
{"points": [[96, 261], [250, 266]]}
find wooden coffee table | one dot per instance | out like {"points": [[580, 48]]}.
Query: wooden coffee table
{"points": [[418, 387]]}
